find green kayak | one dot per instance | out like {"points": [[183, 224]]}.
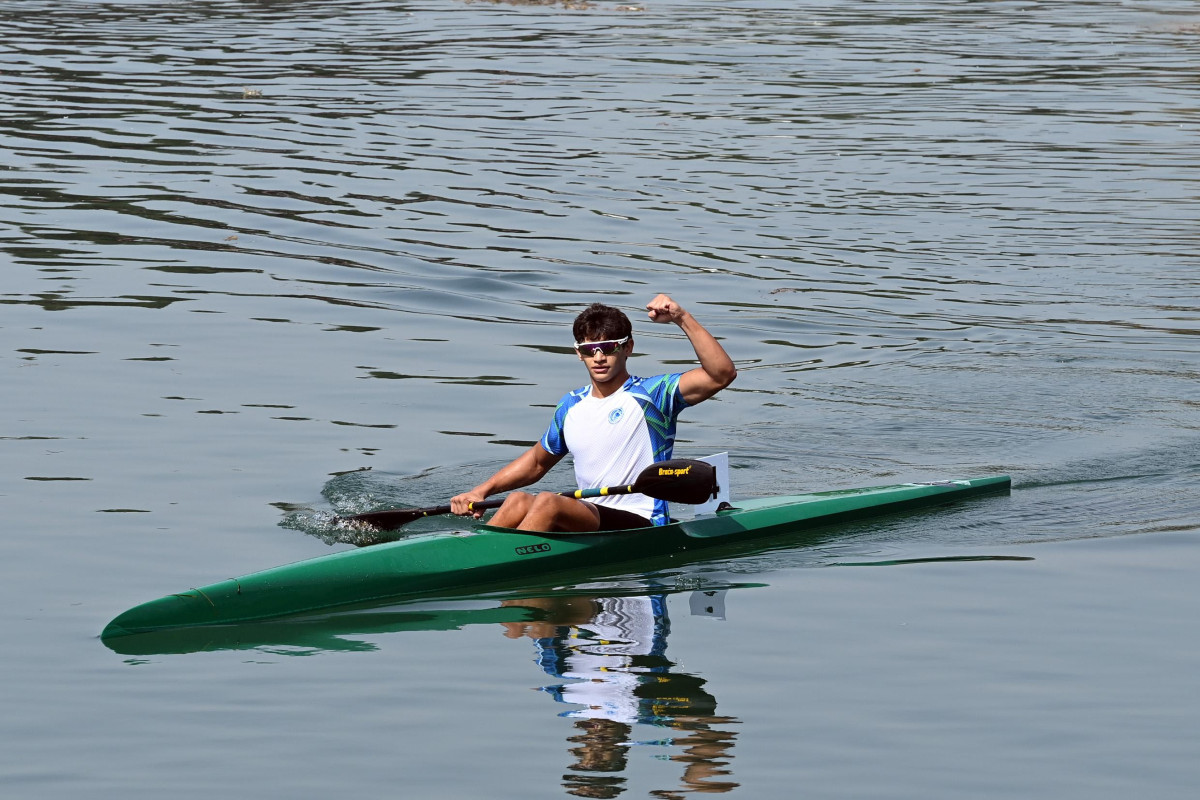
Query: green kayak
{"points": [[484, 557]]}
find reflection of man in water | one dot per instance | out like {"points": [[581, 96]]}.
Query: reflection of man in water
{"points": [[611, 654]]}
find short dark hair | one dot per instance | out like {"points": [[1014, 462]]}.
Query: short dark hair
{"points": [[598, 322]]}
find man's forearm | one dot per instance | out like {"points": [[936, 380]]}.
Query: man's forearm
{"points": [[712, 356]]}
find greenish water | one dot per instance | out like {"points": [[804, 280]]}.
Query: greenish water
{"points": [[267, 260]]}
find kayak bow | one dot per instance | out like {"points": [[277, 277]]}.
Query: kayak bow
{"points": [[458, 562]]}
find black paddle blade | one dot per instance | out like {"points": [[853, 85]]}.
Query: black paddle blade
{"points": [[395, 518], [678, 481], [391, 519]]}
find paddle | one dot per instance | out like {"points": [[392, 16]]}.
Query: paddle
{"points": [[677, 481]]}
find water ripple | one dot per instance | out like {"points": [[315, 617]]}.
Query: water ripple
{"points": [[985, 208]]}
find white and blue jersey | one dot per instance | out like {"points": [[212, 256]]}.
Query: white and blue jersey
{"points": [[612, 439]]}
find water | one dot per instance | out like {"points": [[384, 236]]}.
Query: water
{"points": [[267, 260]]}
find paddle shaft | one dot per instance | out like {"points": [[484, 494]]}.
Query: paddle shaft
{"points": [[678, 480], [484, 505]]}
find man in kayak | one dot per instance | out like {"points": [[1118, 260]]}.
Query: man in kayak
{"points": [[614, 427]]}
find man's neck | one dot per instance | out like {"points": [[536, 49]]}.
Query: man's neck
{"points": [[611, 386]]}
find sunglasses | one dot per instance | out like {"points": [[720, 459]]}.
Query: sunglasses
{"points": [[607, 347]]}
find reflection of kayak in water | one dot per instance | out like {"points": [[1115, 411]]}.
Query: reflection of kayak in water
{"points": [[484, 557], [333, 632], [346, 629]]}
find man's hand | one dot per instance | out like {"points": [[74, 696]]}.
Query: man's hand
{"points": [[664, 309], [461, 504], [716, 370]]}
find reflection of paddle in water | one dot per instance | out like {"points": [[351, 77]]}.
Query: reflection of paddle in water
{"points": [[610, 654]]}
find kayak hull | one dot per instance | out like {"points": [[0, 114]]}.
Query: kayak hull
{"points": [[484, 557]]}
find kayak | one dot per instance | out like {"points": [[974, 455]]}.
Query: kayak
{"points": [[482, 558]]}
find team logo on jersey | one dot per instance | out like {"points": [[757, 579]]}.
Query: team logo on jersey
{"points": [[615, 415]]}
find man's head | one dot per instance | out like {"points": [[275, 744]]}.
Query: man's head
{"points": [[599, 322], [604, 342]]}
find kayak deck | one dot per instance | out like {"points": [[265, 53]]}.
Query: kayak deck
{"points": [[484, 556]]}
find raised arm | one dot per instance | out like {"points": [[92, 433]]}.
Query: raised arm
{"points": [[716, 370]]}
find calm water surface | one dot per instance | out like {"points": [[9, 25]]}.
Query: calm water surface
{"points": [[264, 261]]}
